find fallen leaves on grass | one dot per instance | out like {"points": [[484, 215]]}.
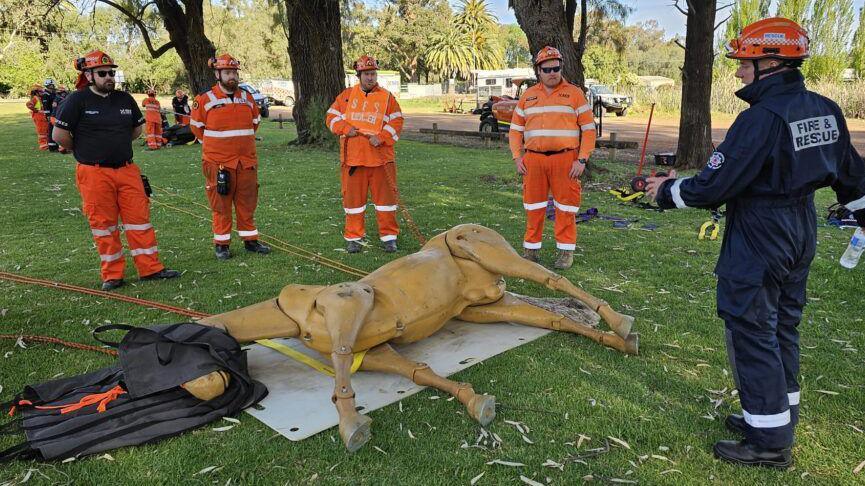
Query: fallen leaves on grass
{"points": [[505, 463], [620, 442], [530, 482]]}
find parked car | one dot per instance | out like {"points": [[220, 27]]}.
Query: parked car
{"points": [[603, 98], [496, 113], [261, 100]]}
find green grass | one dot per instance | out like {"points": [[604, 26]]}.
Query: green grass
{"points": [[561, 386]]}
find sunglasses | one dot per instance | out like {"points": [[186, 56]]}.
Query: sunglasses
{"points": [[553, 69], [103, 74]]}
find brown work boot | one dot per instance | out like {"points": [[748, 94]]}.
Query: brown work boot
{"points": [[532, 255], [565, 260]]}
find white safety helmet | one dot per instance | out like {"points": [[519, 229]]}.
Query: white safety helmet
{"points": [[48, 82]]}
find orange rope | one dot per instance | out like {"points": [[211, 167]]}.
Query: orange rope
{"points": [[84, 290], [403, 209], [108, 295], [274, 241], [53, 340]]}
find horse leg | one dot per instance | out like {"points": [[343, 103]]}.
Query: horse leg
{"points": [[385, 359], [512, 309], [345, 307], [490, 250]]}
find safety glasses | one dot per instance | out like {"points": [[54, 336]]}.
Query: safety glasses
{"points": [[553, 69], [103, 74]]}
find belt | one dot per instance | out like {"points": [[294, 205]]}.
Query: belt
{"points": [[550, 152], [107, 166]]}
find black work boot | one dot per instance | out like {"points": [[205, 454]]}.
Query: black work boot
{"points": [[222, 252], [352, 246], [162, 275], [565, 260], [110, 285], [389, 246], [256, 246], [746, 454], [735, 423], [532, 255]]}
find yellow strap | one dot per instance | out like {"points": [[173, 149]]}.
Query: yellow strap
{"points": [[311, 362], [623, 195], [709, 229]]}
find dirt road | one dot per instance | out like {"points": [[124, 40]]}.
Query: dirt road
{"points": [[663, 137]]}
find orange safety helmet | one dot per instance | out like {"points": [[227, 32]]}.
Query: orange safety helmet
{"points": [[94, 59], [224, 61], [366, 63], [548, 53], [775, 37]]}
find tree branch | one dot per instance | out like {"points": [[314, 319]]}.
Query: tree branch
{"points": [[724, 6], [680, 9], [691, 7], [721, 22], [143, 28], [144, 8], [679, 43]]}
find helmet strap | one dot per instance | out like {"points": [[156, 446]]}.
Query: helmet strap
{"points": [[758, 73]]}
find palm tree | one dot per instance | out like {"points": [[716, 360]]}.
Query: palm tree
{"points": [[475, 15], [479, 27], [450, 53]]}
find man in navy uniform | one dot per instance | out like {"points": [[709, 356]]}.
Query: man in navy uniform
{"points": [[788, 144]]}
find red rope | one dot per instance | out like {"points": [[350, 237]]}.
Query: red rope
{"points": [[84, 290]]}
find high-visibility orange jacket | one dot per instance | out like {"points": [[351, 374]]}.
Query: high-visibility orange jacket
{"points": [[34, 104], [226, 127], [374, 113], [560, 120], [151, 110]]}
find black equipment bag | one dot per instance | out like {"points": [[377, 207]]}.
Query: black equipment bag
{"points": [[136, 401]]}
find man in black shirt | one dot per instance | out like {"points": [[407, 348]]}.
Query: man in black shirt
{"points": [[98, 124], [49, 95], [180, 105]]}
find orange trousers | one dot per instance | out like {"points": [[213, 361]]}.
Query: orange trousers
{"points": [[242, 195], [154, 135], [545, 174], [356, 186], [42, 127], [181, 119], [107, 194]]}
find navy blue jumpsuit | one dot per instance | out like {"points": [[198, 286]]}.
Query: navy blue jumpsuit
{"points": [[788, 144]]}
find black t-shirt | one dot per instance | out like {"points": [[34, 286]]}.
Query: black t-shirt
{"points": [[101, 127], [180, 105]]}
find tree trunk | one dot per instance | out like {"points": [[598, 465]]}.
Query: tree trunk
{"points": [[186, 31], [315, 51], [695, 122], [545, 24]]}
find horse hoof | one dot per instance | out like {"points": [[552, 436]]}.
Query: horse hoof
{"points": [[625, 325], [355, 432], [632, 344], [483, 408]]}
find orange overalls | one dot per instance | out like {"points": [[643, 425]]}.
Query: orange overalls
{"points": [[39, 120], [366, 168], [111, 193], [153, 129], [226, 127], [551, 131]]}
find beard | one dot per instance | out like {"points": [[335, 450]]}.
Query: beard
{"points": [[229, 85], [106, 87]]}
